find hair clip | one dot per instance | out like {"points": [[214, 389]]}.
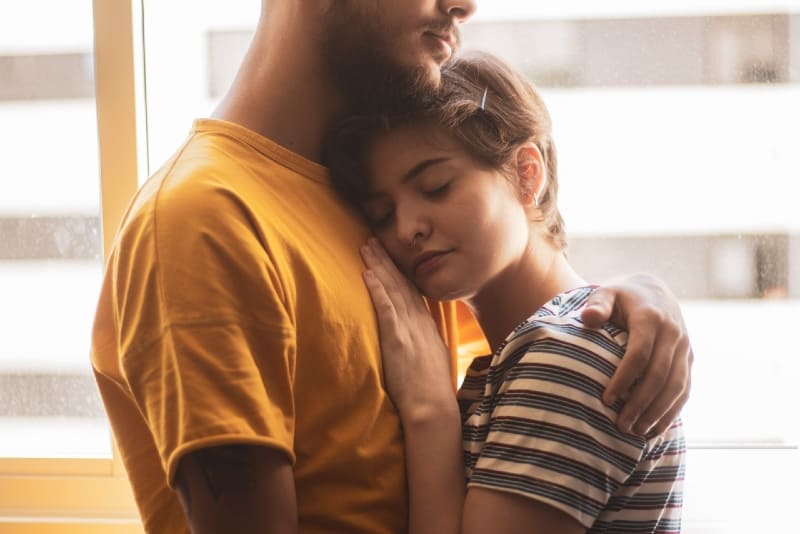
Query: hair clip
{"points": [[483, 99]]}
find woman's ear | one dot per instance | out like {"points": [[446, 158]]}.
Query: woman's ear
{"points": [[531, 174]]}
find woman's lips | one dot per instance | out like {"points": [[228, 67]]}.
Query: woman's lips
{"points": [[427, 261]]}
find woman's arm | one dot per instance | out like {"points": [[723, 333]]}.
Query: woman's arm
{"points": [[489, 512], [417, 373]]}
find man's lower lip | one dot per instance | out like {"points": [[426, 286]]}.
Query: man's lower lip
{"points": [[444, 45]]}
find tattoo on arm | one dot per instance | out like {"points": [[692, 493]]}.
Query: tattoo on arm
{"points": [[237, 488], [228, 469], [183, 489]]}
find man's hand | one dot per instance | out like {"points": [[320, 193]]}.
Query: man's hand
{"points": [[654, 375]]}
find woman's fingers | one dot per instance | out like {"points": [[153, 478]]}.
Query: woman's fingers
{"points": [[384, 307], [400, 281], [381, 267], [402, 292]]}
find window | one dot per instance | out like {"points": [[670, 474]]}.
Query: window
{"points": [[58, 472], [675, 123], [674, 127], [50, 258]]}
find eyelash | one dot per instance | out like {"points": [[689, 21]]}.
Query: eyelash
{"points": [[383, 221], [438, 191], [435, 193]]}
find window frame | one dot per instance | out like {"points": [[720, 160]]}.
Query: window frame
{"points": [[50, 495], [55, 495]]}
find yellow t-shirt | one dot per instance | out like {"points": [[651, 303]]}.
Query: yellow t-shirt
{"points": [[233, 311]]}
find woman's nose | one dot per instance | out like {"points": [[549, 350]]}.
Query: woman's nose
{"points": [[412, 226]]}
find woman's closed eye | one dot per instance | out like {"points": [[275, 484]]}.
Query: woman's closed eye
{"points": [[438, 190], [379, 218]]}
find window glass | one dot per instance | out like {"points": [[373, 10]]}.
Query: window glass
{"points": [[675, 129], [676, 125], [674, 140], [50, 257]]}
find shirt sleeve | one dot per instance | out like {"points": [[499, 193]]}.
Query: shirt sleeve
{"points": [[206, 326], [549, 436]]}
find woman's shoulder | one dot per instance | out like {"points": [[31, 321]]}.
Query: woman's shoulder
{"points": [[557, 328]]}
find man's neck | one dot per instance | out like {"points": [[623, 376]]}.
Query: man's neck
{"points": [[282, 90]]}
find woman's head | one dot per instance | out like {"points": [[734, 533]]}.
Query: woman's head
{"points": [[488, 108], [470, 178], [493, 111]]}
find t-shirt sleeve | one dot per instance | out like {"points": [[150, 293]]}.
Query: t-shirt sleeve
{"points": [[549, 437], [207, 338]]}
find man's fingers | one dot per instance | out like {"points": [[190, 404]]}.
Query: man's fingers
{"points": [[651, 386], [669, 402], [671, 415], [599, 308], [635, 361]]}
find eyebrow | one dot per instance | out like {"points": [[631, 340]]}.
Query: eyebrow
{"points": [[420, 167], [415, 171]]}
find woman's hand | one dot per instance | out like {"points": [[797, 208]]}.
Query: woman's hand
{"points": [[416, 363], [658, 359], [416, 367]]}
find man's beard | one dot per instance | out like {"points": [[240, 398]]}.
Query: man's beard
{"points": [[369, 79]]}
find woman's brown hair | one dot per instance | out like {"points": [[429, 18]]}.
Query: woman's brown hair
{"points": [[489, 108]]}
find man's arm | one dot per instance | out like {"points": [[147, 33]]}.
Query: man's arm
{"points": [[658, 360], [237, 489]]}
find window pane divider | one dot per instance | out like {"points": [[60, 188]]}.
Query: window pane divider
{"points": [[57, 466]]}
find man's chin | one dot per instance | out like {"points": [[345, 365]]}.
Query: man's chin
{"points": [[402, 90], [433, 77]]}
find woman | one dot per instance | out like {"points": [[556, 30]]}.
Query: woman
{"points": [[462, 196]]}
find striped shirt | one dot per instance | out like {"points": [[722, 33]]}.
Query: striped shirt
{"points": [[535, 425]]}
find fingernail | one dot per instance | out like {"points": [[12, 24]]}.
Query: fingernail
{"points": [[610, 400], [366, 250], [641, 429]]}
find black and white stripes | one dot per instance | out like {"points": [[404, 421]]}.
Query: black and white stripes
{"points": [[535, 425]]}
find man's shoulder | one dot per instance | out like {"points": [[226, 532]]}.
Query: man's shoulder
{"points": [[210, 175]]}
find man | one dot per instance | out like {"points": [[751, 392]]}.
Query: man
{"points": [[235, 346]]}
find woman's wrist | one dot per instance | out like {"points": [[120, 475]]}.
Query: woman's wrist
{"points": [[423, 412]]}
